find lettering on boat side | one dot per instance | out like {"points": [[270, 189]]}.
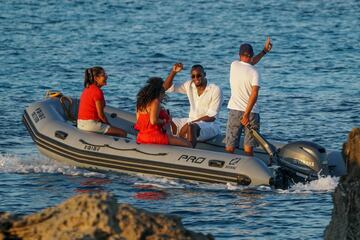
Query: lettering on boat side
{"points": [[91, 148], [37, 115], [233, 163], [193, 159]]}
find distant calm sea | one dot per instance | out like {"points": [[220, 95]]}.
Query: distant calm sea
{"points": [[310, 90]]}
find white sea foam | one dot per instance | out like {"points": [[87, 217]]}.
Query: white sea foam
{"points": [[40, 164], [323, 184], [234, 187], [158, 182], [168, 183]]}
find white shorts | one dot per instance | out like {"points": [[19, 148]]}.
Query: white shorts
{"points": [[93, 126], [207, 129]]}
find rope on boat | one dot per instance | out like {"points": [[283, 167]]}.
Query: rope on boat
{"points": [[66, 103], [122, 149], [53, 94]]}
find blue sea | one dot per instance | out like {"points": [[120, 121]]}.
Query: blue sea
{"points": [[310, 90]]}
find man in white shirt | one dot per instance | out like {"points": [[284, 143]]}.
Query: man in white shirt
{"points": [[243, 109], [205, 102]]}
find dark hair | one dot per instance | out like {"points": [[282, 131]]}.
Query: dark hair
{"points": [[198, 66], [152, 90], [91, 73], [246, 50]]}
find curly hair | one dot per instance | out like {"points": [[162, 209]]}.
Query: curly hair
{"points": [[152, 90]]}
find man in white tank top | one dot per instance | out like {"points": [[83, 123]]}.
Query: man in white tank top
{"points": [[243, 108]]}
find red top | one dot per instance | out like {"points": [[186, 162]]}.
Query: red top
{"points": [[149, 133], [87, 107]]}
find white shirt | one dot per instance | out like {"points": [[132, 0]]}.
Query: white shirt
{"points": [[243, 76], [207, 104]]}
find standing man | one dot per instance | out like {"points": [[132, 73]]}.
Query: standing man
{"points": [[205, 102], [243, 109]]}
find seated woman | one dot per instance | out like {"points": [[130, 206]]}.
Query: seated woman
{"points": [[152, 119], [91, 116]]}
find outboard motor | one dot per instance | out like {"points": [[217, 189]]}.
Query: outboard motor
{"points": [[299, 161], [303, 160]]}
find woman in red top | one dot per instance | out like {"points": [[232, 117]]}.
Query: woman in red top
{"points": [[151, 118], [91, 116]]}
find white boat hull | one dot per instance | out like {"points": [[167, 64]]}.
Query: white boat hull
{"points": [[59, 139]]}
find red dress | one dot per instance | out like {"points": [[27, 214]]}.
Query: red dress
{"points": [[149, 133]]}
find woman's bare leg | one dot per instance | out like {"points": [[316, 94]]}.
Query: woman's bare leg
{"points": [[114, 131], [178, 141]]}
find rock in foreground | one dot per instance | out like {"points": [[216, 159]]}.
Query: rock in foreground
{"points": [[95, 216], [345, 221]]}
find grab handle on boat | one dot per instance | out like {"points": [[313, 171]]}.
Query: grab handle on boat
{"points": [[60, 134], [216, 163]]}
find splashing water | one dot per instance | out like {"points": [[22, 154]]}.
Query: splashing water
{"points": [[323, 184], [40, 164]]}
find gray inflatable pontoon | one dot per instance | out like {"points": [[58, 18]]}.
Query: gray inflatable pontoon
{"points": [[58, 138]]}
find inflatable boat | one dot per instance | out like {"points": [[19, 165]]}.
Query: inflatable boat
{"points": [[52, 126]]}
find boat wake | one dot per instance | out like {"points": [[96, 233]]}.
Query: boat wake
{"points": [[321, 185], [35, 163], [39, 164], [165, 183]]}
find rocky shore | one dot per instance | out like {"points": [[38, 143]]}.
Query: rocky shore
{"points": [[95, 216], [345, 221]]}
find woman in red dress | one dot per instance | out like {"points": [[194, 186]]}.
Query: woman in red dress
{"points": [[152, 119]]}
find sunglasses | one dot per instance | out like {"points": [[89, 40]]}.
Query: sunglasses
{"points": [[193, 76], [105, 76]]}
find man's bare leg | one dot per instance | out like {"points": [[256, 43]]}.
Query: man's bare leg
{"points": [[248, 150], [192, 133], [183, 131], [173, 128], [230, 149]]}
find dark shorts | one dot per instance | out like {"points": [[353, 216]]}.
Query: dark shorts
{"points": [[234, 129]]}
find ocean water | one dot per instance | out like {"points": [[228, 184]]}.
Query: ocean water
{"points": [[310, 90]]}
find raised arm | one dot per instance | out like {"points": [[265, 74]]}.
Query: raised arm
{"points": [[169, 80], [267, 48]]}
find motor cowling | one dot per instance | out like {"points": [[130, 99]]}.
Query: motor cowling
{"points": [[305, 160]]}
